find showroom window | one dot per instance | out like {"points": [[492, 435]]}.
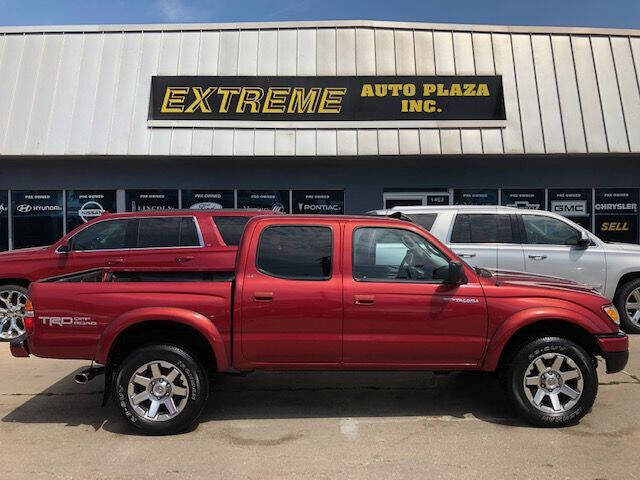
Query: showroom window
{"points": [[37, 217], [296, 252]]}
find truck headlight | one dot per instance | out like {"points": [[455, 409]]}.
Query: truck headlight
{"points": [[612, 313]]}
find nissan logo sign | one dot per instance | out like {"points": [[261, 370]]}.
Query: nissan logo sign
{"points": [[90, 210]]}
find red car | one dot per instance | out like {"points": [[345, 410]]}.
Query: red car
{"points": [[325, 293], [164, 239]]}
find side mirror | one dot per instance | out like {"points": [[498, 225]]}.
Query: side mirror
{"points": [[456, 273], [584, 241], [63, 248]]}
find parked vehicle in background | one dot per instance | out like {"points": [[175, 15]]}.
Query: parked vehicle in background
{"points": [[325, 293], [172, 239], [539, 242]]}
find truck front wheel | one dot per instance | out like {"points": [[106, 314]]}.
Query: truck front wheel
{"points": [[161, 389], [552, 382]]}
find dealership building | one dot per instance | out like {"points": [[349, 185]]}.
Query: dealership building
{"points": [[316, 117]]}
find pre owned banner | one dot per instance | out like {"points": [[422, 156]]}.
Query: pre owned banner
{"points": [[318, 202], [616, 214], [141, 200], [524, 198], [321, 99], [475, 196], [4, 220], [208, 199], [275, 200], [573, 203], [37, 217], [85, 205]]}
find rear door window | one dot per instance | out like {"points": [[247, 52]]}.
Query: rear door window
{"points": [[296, 252], [231, 228], [482, 228], [158, 232]]}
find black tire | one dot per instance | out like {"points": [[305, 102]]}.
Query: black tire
{"points": [[518, 370], [192, 376], [22, 290], [620, 302]]}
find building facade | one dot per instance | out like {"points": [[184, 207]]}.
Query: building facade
{"points": [[316, 117]]}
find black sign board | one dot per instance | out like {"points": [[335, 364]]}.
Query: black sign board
{"points": [[616, 214], [4, 220], [573, 203], [475, 196], [318, 202], [37, 217], [276, 200], [316, 99], [208, 199], [85, 205], [525, 198], [141, 200]]}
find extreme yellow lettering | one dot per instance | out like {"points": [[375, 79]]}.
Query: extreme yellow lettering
{"points": [[275, 101], [202, 100], [469, 89], [331, 100], [250, 97], [442, 92], [301, 103], [174, 99], [456, 90], [227, 94], [428, 89]]}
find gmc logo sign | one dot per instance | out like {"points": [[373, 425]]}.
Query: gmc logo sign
{"points": [[570, 208]]}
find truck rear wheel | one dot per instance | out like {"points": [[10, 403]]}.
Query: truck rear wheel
{"points": [[552, 382], [161, 389]]}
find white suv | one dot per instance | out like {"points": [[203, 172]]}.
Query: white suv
{"points": [[539, 242]]}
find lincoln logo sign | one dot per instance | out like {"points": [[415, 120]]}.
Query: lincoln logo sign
{"points": [[326, 99]]}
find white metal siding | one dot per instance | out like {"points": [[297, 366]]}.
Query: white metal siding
{"points": [[86, 92]]}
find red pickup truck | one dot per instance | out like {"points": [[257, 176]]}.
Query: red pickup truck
{"points": [[329, 293], [173, 239]]}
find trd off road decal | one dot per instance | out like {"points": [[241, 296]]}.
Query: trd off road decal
{"points": [[313, 99]]}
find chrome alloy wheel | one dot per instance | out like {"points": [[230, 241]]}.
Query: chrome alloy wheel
{"points": [[12, 303], [158, 391], [632, 307], [553, 383]]}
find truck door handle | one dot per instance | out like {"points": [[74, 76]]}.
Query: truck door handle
{"points": [[114, 261], [537, 257], [467, 255], [263, 296], [183, 259], [363, 299]]}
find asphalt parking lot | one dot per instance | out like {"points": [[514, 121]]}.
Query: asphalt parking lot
{"points": [[314, 425]]}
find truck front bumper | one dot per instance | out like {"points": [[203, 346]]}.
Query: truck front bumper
{"points": [[19, 347], [614, 349]]}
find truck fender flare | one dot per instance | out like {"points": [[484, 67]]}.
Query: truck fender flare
{"points": [[513, 324], [195, 320]]}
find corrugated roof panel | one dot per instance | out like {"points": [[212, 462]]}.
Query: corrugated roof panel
{"points": [[88, 92]]}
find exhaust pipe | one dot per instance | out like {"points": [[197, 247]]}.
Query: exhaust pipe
{"points": [[86, 375]]}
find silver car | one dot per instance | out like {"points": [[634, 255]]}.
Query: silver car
{"points": [[539, 242]]}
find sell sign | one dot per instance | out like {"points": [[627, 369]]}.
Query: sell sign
{"points": [[326, 99], [616, 214]]}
